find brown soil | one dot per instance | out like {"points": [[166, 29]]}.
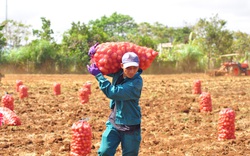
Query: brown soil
{"points": [[172, 123]]}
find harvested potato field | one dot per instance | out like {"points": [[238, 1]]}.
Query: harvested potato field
{"points": [[172, 123]]}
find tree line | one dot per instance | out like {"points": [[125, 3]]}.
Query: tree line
{"points": [[194, 48]]}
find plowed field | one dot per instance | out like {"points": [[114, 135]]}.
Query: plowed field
{"points": [[171, 124]]}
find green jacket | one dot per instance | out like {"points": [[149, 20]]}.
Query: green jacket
{"points": [[126, 97]]}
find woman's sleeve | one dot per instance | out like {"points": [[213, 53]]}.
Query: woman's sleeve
{"points": [[126, 91]]}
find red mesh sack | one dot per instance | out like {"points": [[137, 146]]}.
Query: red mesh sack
{"points": [[84, 93], [1, 119], [108, 56], [57, 88], [8, 101], [197, 87], [88, 86], [23, 91], [18, 83], [205, 102], [9, 117], [81, 139], [226, 124]]}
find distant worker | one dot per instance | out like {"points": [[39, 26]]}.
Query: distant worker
{"points": [[231, 59], [243, 67]]}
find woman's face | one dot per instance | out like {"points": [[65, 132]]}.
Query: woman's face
{"points": [[129, 71]]}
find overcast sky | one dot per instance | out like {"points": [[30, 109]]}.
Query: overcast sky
{"points": [[173, 13]]}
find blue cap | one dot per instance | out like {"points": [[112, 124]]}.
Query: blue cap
{"points": [[130, 59]]}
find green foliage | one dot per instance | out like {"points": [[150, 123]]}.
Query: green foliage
{"points": [[46, 32], [75, 45], [117, 26], [188, 57], [42, 51], [18, 56], [97, 34], [181, 35], [212, 37], [190, 51], [17, 33], [142, 41], [161, 33], [144, 29], [34, 56], [2, 38], [2, 42], [168, 54], [241, 44], [74, 40]]}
